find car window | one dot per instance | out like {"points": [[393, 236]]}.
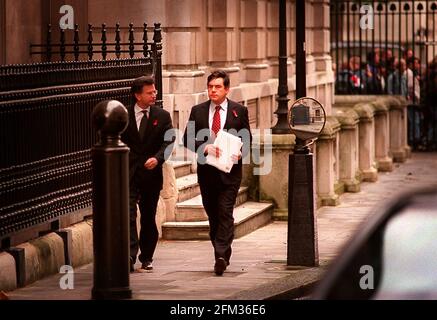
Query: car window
{"points": [[409, 256]]}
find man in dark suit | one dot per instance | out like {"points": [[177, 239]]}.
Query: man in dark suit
{"points": [[219, 189], [144, 136]]}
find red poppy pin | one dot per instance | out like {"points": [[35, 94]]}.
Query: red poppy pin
{"points": [[235, 113], [155, 122]]}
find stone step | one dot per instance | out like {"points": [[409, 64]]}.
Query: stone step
{"points": [[181, 168], [187, 187], [193, 210], [247, 217]]}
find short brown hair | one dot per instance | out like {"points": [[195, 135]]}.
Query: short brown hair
{"points": [[139, 83], [219, 74]]}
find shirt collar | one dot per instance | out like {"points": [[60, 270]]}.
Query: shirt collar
{"points": [[138, 109], [223, 105]]}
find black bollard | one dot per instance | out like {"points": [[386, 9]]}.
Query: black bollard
{"points": [[302, 247], [110, 203]]}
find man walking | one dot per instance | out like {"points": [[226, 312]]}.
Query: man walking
{"points": [[148, 151], [219, 189]]}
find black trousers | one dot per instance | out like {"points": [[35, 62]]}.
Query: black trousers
{"points": [[218, 200], [147, 200]]}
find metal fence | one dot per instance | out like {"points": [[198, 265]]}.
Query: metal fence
{"points": [[389, 47], [46, 133]]}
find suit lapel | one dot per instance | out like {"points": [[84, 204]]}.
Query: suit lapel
{"points": [[133, 123], [202, 120], [229, 116], [204, 117]]}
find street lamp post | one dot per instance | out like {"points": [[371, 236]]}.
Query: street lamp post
{"points": [[301, 87], [302, 231], [282, 126]]}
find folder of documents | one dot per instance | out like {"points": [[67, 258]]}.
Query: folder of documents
{"points": [[229, 144]]}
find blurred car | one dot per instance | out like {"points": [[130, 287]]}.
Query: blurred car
{"points": [[392, 256]]}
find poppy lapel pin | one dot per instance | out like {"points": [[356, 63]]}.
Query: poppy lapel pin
{"points": [[235, 113], [155, 122]]}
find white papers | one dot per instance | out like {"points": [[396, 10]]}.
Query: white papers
{"points": [[229, 144]]}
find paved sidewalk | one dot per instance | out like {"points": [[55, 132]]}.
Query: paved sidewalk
{"points": [[184, 269]]}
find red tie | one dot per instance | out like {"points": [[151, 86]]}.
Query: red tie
{"points": [[216, 121]]}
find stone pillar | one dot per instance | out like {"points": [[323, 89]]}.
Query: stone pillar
{"points": [[223, 39], [321, 34], [185, 20], [404, 124], [273, 36], [2, 33], [326, 162], [183, 25], [253, 44], [348, 144], [273, 186], [309, 36], [382, 136], [320, 17], [397, 129], [366, 149], [22, 23]]}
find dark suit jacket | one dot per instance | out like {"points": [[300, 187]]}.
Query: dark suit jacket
{"points": [[153, 145], [237, 118]]}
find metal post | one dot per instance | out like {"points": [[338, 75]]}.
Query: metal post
{"points": [[302, 233], [301, 83], [110, 203], [302, 249], [282, 126]]}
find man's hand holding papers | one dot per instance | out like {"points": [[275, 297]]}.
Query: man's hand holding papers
{"points": [[224, 152]]}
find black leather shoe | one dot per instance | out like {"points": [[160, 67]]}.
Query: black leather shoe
{"points": [[220, 266], [146, 266]]}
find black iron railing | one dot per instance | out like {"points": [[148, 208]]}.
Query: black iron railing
{"points": [[91, 47]]}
